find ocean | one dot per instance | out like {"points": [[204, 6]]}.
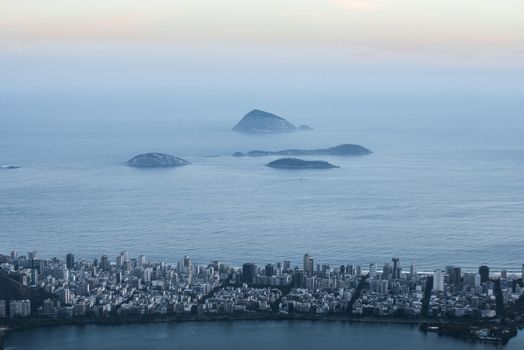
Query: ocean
{"points": [[437, 194]]}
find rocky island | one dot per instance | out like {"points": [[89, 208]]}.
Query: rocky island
{"points": [[156, 160], [294, 163], [10, 167], [260, 122], [340, 150]]}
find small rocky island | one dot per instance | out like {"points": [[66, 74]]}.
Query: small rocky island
{"points": [[260, 122], [305, 128], [341, 150], [9, 167], [156, 160], [294, 163]]}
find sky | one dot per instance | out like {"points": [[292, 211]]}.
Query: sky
{"points": [[398, 25], [86, 51]]}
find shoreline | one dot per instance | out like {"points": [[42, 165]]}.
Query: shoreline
{"points": [[117, 321]]}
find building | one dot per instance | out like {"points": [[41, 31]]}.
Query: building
{"points": [[396, 268], [308, 265], [372, 270], [19, 308], [456, 276], [3, 309], [249, 273], [34, 277], [70, 261], [438, 281], [484, 273], [104, 263], [270, 270], [142, 260]]}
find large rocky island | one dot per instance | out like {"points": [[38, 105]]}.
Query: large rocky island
{"points": [[156, 160], [294, 163], [340, 150], [260, 122]]}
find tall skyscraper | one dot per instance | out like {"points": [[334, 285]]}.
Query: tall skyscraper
{"points": [[456, 276], [484, 273], [248, 273], [522, 272], [396, 268], [372, 270], [412, 272], [306, 262], [386, 272], [104, 263], [269, 270], [141, 260], [308, 265], [438, 281], [70, 261]]}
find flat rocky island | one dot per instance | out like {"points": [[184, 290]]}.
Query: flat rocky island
{"points": [[340, 150], [294, 163], [9, 167], [156, 160], [260, 122]]}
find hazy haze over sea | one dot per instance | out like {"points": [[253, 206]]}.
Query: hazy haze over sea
{"points": [[444, 185]]}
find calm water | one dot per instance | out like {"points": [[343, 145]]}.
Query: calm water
{"points": [[241, 335], [446, 194]]}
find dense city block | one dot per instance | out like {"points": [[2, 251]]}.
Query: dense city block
{"points": [[35, 288]]}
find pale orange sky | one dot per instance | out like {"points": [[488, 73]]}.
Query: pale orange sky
{"points": [[392, 24]]}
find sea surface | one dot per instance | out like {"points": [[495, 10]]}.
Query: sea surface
{"points": [[443, 194], [239, 335]]}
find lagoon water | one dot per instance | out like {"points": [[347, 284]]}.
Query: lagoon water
{"points": [[241, 335], [447, 193]]}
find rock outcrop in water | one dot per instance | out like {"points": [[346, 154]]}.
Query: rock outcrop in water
{"points": [[259, 122], [156, 160], [294, 163], [341, 150], [9, 167]]}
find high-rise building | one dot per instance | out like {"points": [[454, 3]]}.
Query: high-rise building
{"points": [[438, 280], [358, 271], [270, 270], [298, 278], [249, 272], [456, 276], [3, 309], [372, 270], [477, 282], [386, 272], [34, 277], [396, 268], [70, 261], [308, 265], [141, 260], [522, 272], [147, 274], [104, 263], [484, 273], [412, 272]]}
